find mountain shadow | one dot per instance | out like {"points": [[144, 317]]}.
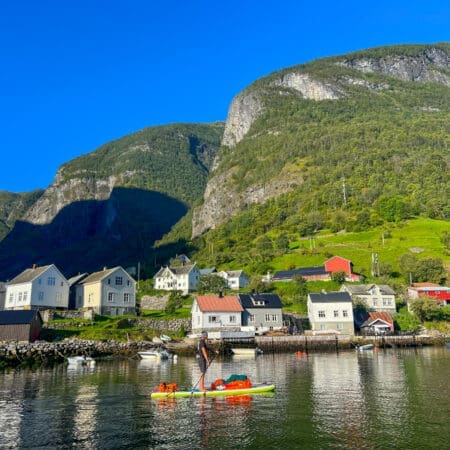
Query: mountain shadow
{"points": [[88, 235]]}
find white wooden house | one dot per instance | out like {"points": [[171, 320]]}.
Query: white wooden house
{"points": [[331, 312], [181, 278], [109, 292], [38, 288], [216, 313], [377, 297], [235, 279]]}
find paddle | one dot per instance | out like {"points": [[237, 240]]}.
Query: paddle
{"points": [[207, 367]]}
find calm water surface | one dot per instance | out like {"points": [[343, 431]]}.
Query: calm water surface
{"points": [[368, 400]]}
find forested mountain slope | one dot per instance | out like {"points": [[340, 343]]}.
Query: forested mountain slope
{"points": [[342, 142], [109, 206]]}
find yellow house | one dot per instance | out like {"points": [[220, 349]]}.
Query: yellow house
{"points": [[109, 292]]}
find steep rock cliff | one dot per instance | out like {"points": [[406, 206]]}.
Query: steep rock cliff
{"points": [[328, 80]]}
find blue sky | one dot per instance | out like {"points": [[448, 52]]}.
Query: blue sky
{"points": [[76, 74]]}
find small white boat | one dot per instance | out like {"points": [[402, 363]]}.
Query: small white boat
{"points": [[246, 351], [154, 354], [362, 348], [81, 361], [165, 338]]}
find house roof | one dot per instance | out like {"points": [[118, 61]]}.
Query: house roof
{"points": [[423, 285], [98, 276], [182, 270], [306, 271], [270, 301], [75, 279], [337, 257], [330, 297], [366, 319], [207, 271], [363, 289], [18, 317], [214, 303], [29, 275], [234, 273]]}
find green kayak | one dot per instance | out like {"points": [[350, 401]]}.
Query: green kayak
{"points": [[255, 389]]}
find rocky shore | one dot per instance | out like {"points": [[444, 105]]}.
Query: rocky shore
{"points": [[16, 353]]}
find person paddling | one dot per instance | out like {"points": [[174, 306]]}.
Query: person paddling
{"points": [[203, 360]]}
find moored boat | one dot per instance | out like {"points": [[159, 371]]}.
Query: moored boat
{"points": [[165, 338], [154, 354], [361, 348], [81, 361], [246, 351], [255, 389]]}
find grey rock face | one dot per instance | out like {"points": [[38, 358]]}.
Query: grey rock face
{"points": [[423, 68], [244, 110], [62, 193], [309, 88]]}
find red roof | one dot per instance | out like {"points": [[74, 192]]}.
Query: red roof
{"points": [[214, 303], [423, 285], [375, 315]]}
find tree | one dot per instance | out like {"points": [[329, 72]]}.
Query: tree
{"points": [[425, 308], [408, 266], [360, 304], [211, 283], [256, 284], [301, 290], [430, 269], [339, 277], [445, 239], [282, 243], [174, 302]]}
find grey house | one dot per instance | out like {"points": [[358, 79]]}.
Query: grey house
{"points": [[261, 311]]}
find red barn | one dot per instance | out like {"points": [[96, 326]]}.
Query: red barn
{"points": [[433, 290], [339, 264]]}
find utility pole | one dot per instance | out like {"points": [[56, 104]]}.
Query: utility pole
{"points": [[344, 190]]}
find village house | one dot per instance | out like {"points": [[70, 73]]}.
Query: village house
{"points": [[38, 288], [440, 293], [235, 279], [20, 325], [262, 312], [318, 273], [108, 292], [216, 313], [376, 297], [180, 278], [374, 322], [330, 312], [73, 284]]}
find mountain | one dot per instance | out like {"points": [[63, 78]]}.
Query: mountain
{"points": [[362, 137], [109, 206]]}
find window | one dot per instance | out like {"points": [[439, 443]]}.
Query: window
{"points": [[111, 297], [321, 313], [25, 296], [91, 298], [41, 296], [126, 298], [39, 281], [340, 326], [274, 318], [20, 297], [386, 302], [119, 281], [336, 313], [232, 319], [51, 281], [109, 280], [345, 313], [11, 297], [267, 318], [251, 318], [212, 319], [128, 282], [62, 283]]}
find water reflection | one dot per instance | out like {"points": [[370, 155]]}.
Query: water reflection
{"points": [[345, 400]]}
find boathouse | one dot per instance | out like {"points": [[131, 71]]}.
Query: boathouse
{"points": [[20, 325]]}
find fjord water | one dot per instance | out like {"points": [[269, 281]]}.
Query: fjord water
{"points": [[396, 398]]}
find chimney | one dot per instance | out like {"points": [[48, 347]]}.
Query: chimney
{"points": [[105, 268], [34, 266], [220, 294]]}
